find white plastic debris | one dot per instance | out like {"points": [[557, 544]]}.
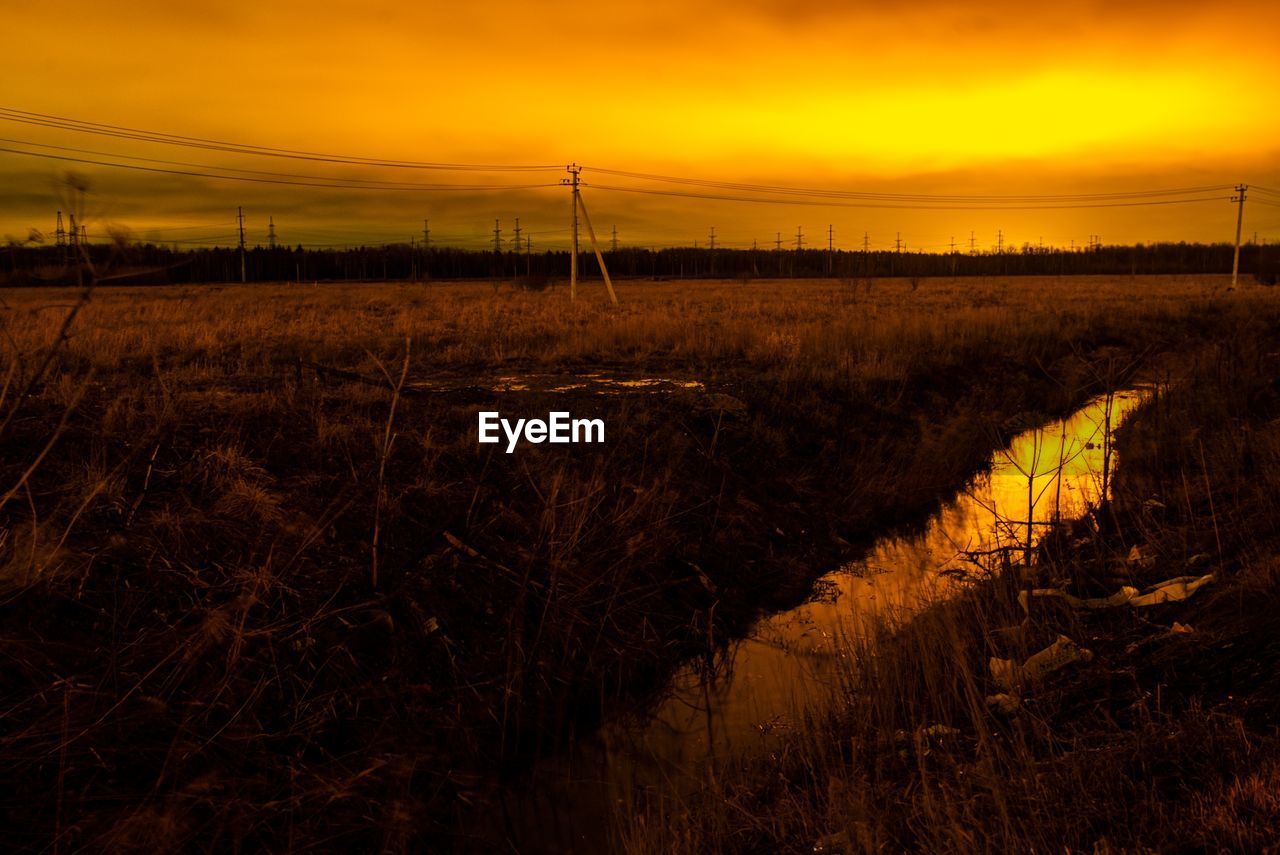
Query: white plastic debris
{"points": [[1119, 598], [1063, 652], [1172, 590]]}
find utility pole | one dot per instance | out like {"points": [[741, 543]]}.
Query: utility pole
{"points": [[574, 170], [240, 220], [271, 232], [1239, 200], [574, 181]]}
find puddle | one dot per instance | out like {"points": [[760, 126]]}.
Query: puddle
{"points": [[790, 662]]}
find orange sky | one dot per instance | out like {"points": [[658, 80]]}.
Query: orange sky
{"points": [[924, 98]]}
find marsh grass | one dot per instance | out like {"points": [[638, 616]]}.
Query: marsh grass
{"points": [[247, 606], [1165, 742]]}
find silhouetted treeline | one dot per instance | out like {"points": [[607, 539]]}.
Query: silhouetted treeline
{"points": [[151, 263]]}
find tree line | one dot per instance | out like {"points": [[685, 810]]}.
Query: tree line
{"points": [[149, 263]]}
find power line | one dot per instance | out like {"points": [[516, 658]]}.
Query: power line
{"points": [[875, 204], [346, 179], [330, 186], [63, 123], [909, 197]]}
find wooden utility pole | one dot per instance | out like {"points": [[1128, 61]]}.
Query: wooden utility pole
{"points": [[574, 171], [573, 181], [1239, 200]]}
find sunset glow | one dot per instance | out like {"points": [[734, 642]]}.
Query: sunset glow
{"points": [[932, 100]]}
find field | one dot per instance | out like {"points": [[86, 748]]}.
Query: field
{"points": [[261, 587]]}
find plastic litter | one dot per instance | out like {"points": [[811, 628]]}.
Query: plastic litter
{"points": [[1172, 590], [1010, 675]]}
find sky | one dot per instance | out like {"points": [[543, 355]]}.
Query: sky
{"points": [[924, 99]]}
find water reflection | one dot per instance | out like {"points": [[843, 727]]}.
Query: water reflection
{"points": [[791, 659]]}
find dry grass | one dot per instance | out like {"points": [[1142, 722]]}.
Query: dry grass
{"points": [[196, 653], [1165, 742]]}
